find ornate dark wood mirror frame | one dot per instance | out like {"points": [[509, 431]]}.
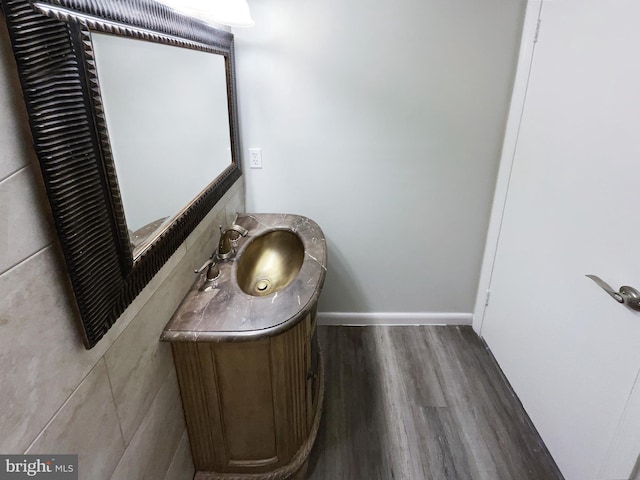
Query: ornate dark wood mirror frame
{"points": [[52, 44]]}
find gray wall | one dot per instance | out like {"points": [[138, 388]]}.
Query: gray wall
{"points": [[117, 405], [383, 122]]}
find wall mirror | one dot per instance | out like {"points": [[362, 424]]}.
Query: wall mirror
{"points": [[133, 114]]}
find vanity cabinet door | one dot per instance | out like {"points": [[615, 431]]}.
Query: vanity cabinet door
{"points": [[250, 406], [246, 404], [228, 403]]}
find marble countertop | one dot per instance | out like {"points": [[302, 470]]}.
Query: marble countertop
{"points": [[227, 314]]}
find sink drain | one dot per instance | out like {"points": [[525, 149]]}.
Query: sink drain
{"points": [[262, 285]]}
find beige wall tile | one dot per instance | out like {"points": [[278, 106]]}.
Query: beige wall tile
{"points": [[137, 361], [86, 425], [236, 202], [218, 215], [206, 245], [204, 240], [141, 300], [40, 339], [42, 357], [25, 225], [181, 467], [208, 230], [37, 315], [236, 189], [149, 454]]}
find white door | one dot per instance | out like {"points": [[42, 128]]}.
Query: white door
{"points": [[571, 353]]}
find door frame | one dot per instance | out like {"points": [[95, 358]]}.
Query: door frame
{"points": [[532, 18]]}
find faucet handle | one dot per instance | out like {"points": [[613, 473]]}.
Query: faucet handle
{"points": [[228, 241], [213, 269], [213, 273], [208, 263], [238, 231], [241, 231]]}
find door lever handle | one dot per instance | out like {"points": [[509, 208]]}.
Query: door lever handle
{"points": [[626, 295]]}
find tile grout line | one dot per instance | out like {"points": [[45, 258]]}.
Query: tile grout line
{"points": [[13, 174], [168, 275], [73, 392], [132, 320], [175, 453], [24, 260], [115, 406], [101, 359], [127, 445]]}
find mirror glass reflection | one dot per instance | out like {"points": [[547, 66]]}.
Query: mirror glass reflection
{"points": [[167, 115]]}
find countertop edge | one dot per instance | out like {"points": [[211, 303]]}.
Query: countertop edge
{"points": [[176, 336]]}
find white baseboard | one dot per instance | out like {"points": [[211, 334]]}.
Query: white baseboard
{"points": [[393, 318]]}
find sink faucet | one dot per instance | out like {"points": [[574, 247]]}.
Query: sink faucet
{"points": [[228, 237]]}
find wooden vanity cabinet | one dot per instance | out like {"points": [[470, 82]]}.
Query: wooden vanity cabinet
{"points": [[252, 408]]}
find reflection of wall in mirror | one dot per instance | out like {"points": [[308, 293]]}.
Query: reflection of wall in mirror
{"points": [[168, 122]]}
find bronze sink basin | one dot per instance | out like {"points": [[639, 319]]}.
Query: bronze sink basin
{"points": [[270, 283], [270, 262]]}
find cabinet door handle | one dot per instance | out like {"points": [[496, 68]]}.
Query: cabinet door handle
{"points": [[626, 295]]}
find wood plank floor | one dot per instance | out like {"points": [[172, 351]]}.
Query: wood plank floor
{"points": [[413, 403]]}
